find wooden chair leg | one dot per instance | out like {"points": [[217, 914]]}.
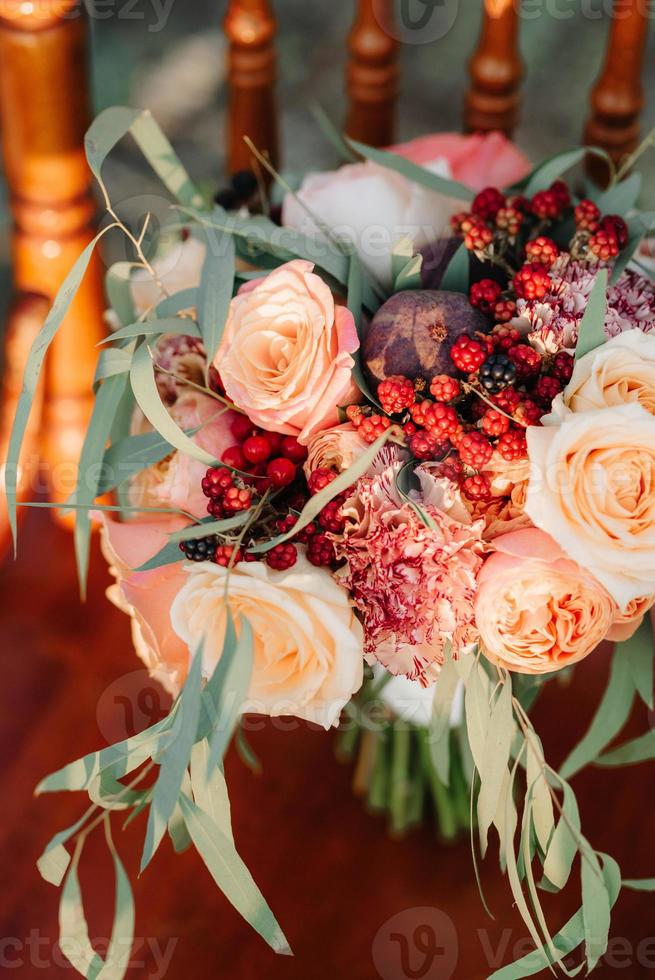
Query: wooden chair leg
{"points": [[493, 100], [617, 97], [25, 319], [44, 113], [250, 28], [372, 77]]}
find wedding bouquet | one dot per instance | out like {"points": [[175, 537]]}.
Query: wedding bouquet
{"points": [[381, 451]]}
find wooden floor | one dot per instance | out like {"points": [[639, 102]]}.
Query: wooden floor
{"points": [[330, 872]]}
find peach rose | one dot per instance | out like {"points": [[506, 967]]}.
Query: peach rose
{"points": [[627, 623], [285, 358], [619, 372], [175, 480], [592, 487], [537, 611], [336, 448], [374, 207], [308, 643]]}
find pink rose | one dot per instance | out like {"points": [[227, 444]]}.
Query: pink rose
{"points": [[336, 448], [479, 161], [286, 358], [536, 610], [627, 622]]}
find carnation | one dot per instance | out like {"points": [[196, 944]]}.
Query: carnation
{"points": [[411, 569], [552, 323]]}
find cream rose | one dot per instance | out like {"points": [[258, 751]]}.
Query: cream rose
{"points": [[619, 372], [592, 487], [537, 611], [308, 642], [286, 358]]}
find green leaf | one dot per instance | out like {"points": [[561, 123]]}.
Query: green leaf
{"points": [[175, 759], [332, 134], [228, 691], [478, 711], [611, 715], [639, 651], [355, 301], [178, 325], [129, 456], [112, 361], [538, 788], [177, 831], [118, 287], [210, 789], [550, 169], [144, 386], [639, 884], [564, 842], [641, 749], [439, 728], [457, 275], [620, 198], [185, 299], [211, 527], [168, 555], [316, 503], [105, 406], [55, 859], [596, 907], [592, 325], [401, 254], [74, 939], [122, 934], [638, 225], [114, 123], [215, 291], [414, 173], [498, 741], [35, 359], [232, 876]]}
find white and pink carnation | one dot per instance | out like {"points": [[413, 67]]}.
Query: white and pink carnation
{"points": [[411, 571]]}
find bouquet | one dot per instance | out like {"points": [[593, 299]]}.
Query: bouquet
{"points": [[375, 449]]}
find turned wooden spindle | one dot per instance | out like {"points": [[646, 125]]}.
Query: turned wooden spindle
{"points": [[372, 75], [44, 113], [250, 28], [617, 97], [493, 100]]}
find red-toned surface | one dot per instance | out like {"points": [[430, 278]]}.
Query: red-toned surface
{"points": [[330, 872]]}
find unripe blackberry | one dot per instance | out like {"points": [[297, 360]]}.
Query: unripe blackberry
{"points": [[497, 373]]}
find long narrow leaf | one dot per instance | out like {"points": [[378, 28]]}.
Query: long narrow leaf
{"points": [[592, 326], [215, 292]]}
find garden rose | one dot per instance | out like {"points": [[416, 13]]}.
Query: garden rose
{"points": [[375, 207], [592, 487], [336, 448], [627, 622], [286, 358], [536, 610], [618, 373], [308, 643]]}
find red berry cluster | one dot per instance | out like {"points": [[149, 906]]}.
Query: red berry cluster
{"points": [[271, 459], [601, 237]]}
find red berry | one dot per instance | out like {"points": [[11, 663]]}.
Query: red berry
{"points": [[505, 337], [468, 354], [508, 399], [215, 508], [396, 393], [409, 429], [541, 251], [355, 415], [292, 449], [450, 468], [528, 412], [494, 423], [475, 449], [484, 294], [443, 388], [285, 524], [478, 237], [281, 472], [461, 222], [561, 191], [236, 499], [425, 445], [282, 556], [274, 440], [487, 203], [548, 205], [546, 389], [233, 456], [330, 518], [531, 282], [373, 427], [321, 478], [525, 359], [223, 555], [419, 410], [241, 427], [477, 487], [442, 421], [513, 445], [562, 366], [614, 224], [504, 311], [509, 219], [586, 216], [216, 481], [320, 550], [604, 245], [256, 449]]}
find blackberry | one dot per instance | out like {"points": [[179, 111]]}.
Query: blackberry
{"points": [[200, 549], [497, 373], [244, 184], [227, 199]]}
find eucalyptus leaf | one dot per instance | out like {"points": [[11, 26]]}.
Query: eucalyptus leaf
{"points": [[234, 679], [215, 292], [439, 728], [74, 939], [170, 306], [414, 173], [596, 907], [641, 749], [112, 361], [178, 325], [638, 226], [639, 652], [550, 169], [119, 951], [210, 789], [592, 326], [457, 275], [563, 846], [478, 712], [498, 741], [118, 286], [621, 197]]}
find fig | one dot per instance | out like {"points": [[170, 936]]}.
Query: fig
{"points": [[412, 333]]}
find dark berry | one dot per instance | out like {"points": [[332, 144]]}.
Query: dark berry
{"points": [[199, 549], [497, 373], [226, 199], [282, 556], [244, 184]]}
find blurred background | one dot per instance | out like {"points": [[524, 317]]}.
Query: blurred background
{"points": [[331, 873]]}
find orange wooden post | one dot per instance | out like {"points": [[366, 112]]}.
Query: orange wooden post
{"points": [[372, 76], [617, 97], [493, 100], [250, 28], [44, 112]]}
